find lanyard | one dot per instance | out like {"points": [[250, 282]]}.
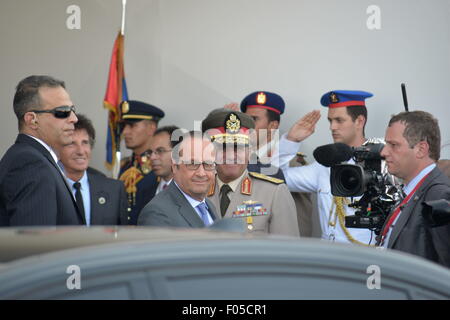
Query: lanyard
{"points": [[397, 210]]}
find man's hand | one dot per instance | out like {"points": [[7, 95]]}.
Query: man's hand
{"points": [[232, 106], [304, 127]]}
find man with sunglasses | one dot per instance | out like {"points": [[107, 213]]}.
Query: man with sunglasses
{"points": [[264, 202], [33, 189], [139, 123], [184, 203]]}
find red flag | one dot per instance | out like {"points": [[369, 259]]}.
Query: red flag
{"points": [[116, 92]]}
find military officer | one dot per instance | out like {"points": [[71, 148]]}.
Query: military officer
{"points": [[266, 109], [264, 202], [347, 115], [140, 121]]}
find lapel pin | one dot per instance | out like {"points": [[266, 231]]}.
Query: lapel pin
{"points": [[101, 200]]}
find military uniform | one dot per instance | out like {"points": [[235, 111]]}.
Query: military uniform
{"points": [[316, 178], [264, 202], [140, 183], [273, 102], [136, 171], [306, 203], [260, 160]]}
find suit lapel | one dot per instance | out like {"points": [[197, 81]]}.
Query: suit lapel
{"points": [[23, 138], [410, 207], [184, 207], [212, 209], [96, 217]]}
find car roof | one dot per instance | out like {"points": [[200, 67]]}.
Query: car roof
{"points": [[16, 243]]}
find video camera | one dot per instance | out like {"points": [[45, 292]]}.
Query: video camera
{"points": [[367, 178]]}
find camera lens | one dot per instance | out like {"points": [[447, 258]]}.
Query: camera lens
{"points": [[349, 180]]}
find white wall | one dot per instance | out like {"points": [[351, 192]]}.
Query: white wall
{"points": [[189, 56]]}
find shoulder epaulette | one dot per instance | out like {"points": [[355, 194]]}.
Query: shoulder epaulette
{"points": [[261, 176]]}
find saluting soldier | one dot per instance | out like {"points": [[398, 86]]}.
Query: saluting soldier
{"points": [[140, 121], [264, 202]]}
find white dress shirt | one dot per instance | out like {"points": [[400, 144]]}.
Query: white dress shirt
{"points": [[162, 184]]}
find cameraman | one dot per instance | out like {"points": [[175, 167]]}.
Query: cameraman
{"points": [[347, 115], [411, 151]]}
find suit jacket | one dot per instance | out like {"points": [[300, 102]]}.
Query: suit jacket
{"points": [[33, 190], [171, 208], [109, 201], [412, 234]]}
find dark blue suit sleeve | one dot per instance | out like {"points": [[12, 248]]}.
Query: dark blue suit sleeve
{"points": [[31, 189], [123, 205], [440, 236]]}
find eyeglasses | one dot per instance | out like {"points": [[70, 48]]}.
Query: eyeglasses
{"points": [[207, 166], [157, 152], [61, 112]]}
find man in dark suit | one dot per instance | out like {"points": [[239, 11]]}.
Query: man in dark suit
{"points": [[184, 203], [33, 190], [102, 200], [412, 150]]}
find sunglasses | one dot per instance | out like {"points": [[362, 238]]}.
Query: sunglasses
{"points": [[61, 112]]}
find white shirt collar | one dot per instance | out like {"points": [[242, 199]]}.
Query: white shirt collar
{"points": [[194, 203], [46, 146], [412, 184], [163, 183]]}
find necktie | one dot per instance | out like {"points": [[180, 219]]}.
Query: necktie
{"points": [[224, 200], [79, 197], [204, 212]]}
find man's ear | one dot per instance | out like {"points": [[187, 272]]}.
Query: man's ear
{"points": [[360, 121], [152, 126], [423, 149], [273, 125], [30, 119]]}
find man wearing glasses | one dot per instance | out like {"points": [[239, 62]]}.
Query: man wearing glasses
{"points": [[263, 202], [33, 190], [161, 155], [184, 203]]}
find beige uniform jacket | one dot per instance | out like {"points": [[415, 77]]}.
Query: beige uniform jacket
{"points": [[266, 194]]}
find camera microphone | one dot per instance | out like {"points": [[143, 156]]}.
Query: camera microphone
{"points": [[331, 154]]}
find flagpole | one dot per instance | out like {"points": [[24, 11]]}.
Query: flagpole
{"points": [[124, 4], [116, 169]]}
